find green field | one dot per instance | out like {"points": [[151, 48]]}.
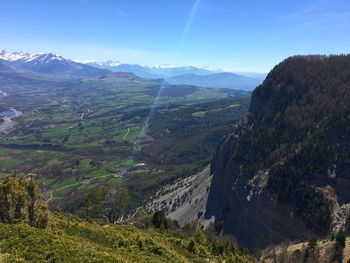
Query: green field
{"points": [[76, 134]]}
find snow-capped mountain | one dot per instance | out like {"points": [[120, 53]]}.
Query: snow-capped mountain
{"points": [[107, 64], [50, 64], [189, 75], [15, 56], [161, 71], [53, 64]]}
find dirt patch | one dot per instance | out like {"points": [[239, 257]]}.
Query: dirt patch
{"points": [[24, 167], [4, 158]]}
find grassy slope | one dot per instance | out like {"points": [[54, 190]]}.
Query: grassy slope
{"points": [[73, 240]]}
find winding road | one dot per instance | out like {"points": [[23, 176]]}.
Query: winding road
{"points": [[127, 133], [67, 186]]}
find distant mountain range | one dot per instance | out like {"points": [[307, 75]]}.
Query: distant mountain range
{"points": [[217, 80], [196, 76], [47, 64], [162, 71]]}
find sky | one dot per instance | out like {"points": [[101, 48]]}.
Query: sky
{"points": [[234, 35]]}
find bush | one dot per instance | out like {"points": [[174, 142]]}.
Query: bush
{"points": [[192, 247], [340, 240], [312, 243]]}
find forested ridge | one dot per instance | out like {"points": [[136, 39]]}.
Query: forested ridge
{"points": [[301, 115], [294, 144]]}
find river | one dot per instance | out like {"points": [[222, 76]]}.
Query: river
{"points": [[3, 93], [8, 123]]}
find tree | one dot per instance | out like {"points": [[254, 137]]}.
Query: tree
{"points": [[93, 203], [33, 199], [159, 220], [13, 200], [20, 202], [115, 203], [340, 240], [106, 201]]}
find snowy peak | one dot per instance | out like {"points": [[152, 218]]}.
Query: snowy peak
{"points": [[50, 63], [146, 71], [113, 63], [109, 63], [15, 56], [23, 56], [45, 59]]}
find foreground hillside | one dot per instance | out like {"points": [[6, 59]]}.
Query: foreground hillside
{"points": [[68, 239], [283, 172], [29, 234]]}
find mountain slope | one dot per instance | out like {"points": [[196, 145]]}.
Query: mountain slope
{"points": [[217, 80], [283, 172], [50, 64], [6, 66], [69, 239]]}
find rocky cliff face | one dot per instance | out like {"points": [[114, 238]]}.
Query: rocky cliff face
{"points": [[284, 171]]}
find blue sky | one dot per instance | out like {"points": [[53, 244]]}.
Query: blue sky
{"points": [[237, 35]]}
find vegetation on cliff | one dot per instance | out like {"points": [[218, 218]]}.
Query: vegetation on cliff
{"points": [[294, 143]]}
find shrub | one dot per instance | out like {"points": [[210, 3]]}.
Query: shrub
{"points": [[340, 240], [192, 247], [312, 243]]}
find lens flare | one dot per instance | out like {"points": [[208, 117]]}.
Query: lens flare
{"points": [[144, 129], [189, 22], [137, 147]]}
